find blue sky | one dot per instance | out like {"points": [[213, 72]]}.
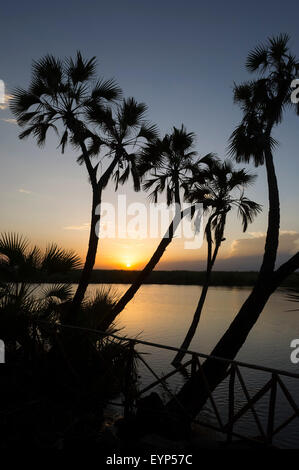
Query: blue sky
{"points": [[182, 59]]}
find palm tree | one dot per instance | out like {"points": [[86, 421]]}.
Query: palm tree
{"points": [[220, 199], [121, 134], [263, 103], [169, 162], [57, 98], [22, 297], [26, 304]]}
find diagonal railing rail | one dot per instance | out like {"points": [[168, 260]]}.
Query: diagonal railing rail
{"points": [[227, 415]]}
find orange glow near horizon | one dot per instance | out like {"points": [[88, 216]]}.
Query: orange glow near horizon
{"points": [[133, 255], [128, 254], [111, 257], [128, 262]]}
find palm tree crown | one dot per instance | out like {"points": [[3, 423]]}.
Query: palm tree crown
{"points": [[223, 191], [60, 92], [122, 132], [22, 269], [264, 100], [170, 161], [21, 263]]}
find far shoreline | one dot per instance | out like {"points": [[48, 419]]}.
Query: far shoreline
{"points": [[177, 277]]}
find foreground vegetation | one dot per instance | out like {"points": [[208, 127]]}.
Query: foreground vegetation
{"points": [[55, 382]]}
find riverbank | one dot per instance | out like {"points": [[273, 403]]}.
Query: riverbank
{"points": [[219, 278]]}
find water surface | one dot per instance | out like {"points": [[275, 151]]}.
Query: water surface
{"points": [[162, 314]]}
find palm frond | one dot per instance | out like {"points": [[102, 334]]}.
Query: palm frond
{"points": [[49, 70], [243, 93], [106, 90], [247, 210], [14, 247], [181, 139], [278, 47], [258, 58], [62, 292], [123, 178], [40, 132], [209, 159], [25, 118], [246, 143], [63, 141], [22, 101], [97, 308], [58, 260], [148, 131], [241, 179], [80, 70], [131, 113]]}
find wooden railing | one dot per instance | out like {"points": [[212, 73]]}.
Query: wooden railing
{"points": [[226, 417]]}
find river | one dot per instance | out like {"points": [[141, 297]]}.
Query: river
{"points": [[162, 314]]}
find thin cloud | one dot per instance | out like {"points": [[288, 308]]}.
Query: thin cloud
{"points": [[263, 234], [245, 254], [288, 243], [6, 100], [24, 191], [10, 121], [257, 234], [82, 227]]}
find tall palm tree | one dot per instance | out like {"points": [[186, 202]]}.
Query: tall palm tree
{"points": [[57, 98], [168, 162], [263, 103], [220, 198], [120, 134]]}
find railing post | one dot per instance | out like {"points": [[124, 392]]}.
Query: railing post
{"points": [[193, 365], [271, 414], [231, 403], [34, 338], [128, 402], [210, 395]]}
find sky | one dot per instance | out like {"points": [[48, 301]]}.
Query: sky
{"points": [[181, 59]]}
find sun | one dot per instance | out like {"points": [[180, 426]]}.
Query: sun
{"points": [[128, 262]]}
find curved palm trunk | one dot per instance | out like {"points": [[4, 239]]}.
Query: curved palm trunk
{"points": [[97, 189], [129, 294], [196, 318], [193, 394], [192, 329], [91, 252], [272, 238]]}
